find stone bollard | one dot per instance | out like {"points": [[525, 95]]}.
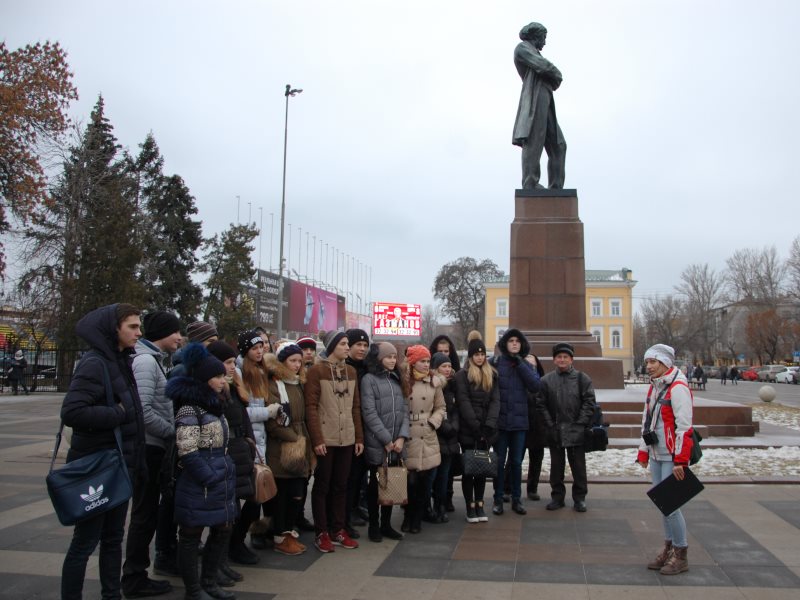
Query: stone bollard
{"points": [[766, 393]]}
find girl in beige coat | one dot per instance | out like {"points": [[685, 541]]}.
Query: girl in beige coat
{"points": [[426, 411]]}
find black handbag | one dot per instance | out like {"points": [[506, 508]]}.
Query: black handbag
{"points": [[480, 463], [92, 484]]}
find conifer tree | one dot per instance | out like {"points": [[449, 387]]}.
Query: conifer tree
{"points": [[230, 273]]}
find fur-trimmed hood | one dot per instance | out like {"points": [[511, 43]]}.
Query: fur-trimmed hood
{"points": [[188, 391], [503, 343], [279, 371]]}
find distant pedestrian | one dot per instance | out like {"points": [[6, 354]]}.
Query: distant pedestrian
{"points": [[723, 374], [734, 375], [16, 372]]}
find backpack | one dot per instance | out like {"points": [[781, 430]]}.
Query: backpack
{"points": [[596, 434]]}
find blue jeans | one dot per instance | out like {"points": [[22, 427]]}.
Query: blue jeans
{"points": [[674, 524], [512, 445], [107, 529]]}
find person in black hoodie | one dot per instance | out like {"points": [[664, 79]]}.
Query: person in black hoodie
{"points": [[357, 482], [448, 439], [111, 332]]}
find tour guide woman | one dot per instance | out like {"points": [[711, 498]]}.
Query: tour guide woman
{"points": [[667, 445]]}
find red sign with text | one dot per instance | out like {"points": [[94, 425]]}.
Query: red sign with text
{"points": [[389, 318]]}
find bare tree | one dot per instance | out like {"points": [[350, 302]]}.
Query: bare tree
{"points": [[702, 289], [430, 321], [755, 276], [664, 322], [765, 333], [793, 269]]}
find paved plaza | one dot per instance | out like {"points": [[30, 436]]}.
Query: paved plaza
{"points": [[744, 543]]}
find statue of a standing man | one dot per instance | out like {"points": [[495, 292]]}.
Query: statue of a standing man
{"points": [[536, 126]]}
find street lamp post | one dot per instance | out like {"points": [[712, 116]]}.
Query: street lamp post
{"points": [[289, 92]]}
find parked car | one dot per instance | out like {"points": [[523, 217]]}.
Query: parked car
{"points": [[748, 374], [711, 371], [768, 372], [790, 375]]}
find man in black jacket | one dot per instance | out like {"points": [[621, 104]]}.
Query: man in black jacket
{"points": [[566, 405]]}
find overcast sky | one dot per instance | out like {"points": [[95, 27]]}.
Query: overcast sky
{"points": [[681, 119]]}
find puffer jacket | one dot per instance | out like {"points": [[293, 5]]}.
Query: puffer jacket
{"points": [[478, 411], [384, 411], [448, 432], [278, 434], [85, 407], [259, 413], [672, 420], [517, 378], [240, 431], [566, 405], [151, 380], [333, 405], [205, 491], [426, 410]]}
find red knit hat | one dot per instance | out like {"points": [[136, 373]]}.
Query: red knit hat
{"points": [[416, 353]]}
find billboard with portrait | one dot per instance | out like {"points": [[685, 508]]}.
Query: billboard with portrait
{"points": [[393, 319]]}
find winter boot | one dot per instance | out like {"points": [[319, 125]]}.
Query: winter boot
{"points": [[441, 514], [678, 562], [449, 503], [212, 556], [662, 558], [187, 565], [387, 530]]}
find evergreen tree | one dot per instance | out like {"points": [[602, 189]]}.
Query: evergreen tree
{"points": [[169, 237], [231, 273], [83, 245]]}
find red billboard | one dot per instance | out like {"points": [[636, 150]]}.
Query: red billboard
{"points": [[395, 319]]}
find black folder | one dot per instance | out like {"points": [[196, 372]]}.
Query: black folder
{"points": [[671, 494]]}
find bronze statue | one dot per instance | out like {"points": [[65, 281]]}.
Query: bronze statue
{"points": [[536, 126]]}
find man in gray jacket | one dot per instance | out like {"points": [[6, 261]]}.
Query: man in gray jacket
{"points": [[565, 405], [162, 337]]}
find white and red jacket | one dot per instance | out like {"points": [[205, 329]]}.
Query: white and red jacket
{"points": [[671, 420]]}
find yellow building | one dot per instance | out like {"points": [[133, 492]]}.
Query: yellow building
{"points": [[609, 312]]}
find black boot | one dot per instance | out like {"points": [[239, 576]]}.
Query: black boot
{"points": [[386, 524], [187, 565], [224, 568], [212, 556], [449, 504], [166, 564], [441, 514]]}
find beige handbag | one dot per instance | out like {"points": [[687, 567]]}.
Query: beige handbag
{"points": [[263, 481], [392, 484]]}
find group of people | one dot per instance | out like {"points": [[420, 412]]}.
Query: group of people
{"points": [[195, 420]]}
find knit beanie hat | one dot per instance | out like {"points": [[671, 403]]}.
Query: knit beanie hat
{"points": [[440, 359], [385, 349], [288, 349], [662, 353], [357, 335], [200, 331], [475, 344], [222, 350], [416, 353], [248, 339], [200, 364], [160, 324], [564, 347], [332, 339], [307, 342]]}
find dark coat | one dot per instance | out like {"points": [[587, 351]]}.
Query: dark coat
{"points": [[16, 371], [85, 408], [384, 412], [518, 378], [240, 449], [205, 491], [566, 405], [478, 411], [448, 432], [453, 354]]}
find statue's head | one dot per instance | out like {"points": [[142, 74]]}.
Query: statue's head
{"points": [[535, 33]]}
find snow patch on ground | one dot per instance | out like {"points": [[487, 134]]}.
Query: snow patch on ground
{"points": [[777, 414]]}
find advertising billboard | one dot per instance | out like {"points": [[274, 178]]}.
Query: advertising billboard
{"points": [[312, 309], [396, 319]]}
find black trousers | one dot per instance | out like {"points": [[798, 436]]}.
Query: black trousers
{"points": [[577, 463], [144, 521], [286, 502], [108, 530], [535, 458]]}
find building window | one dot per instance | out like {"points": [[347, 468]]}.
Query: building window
{"points": [[597, 307], [597, 334], [616, 307], [616, 338], [499, 331], [501, 307]]}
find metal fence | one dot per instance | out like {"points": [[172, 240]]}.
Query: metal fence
{"points": [[50, 371]]}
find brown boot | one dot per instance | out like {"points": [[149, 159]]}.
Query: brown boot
{"points": [[660, 560], [677, 563]]}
